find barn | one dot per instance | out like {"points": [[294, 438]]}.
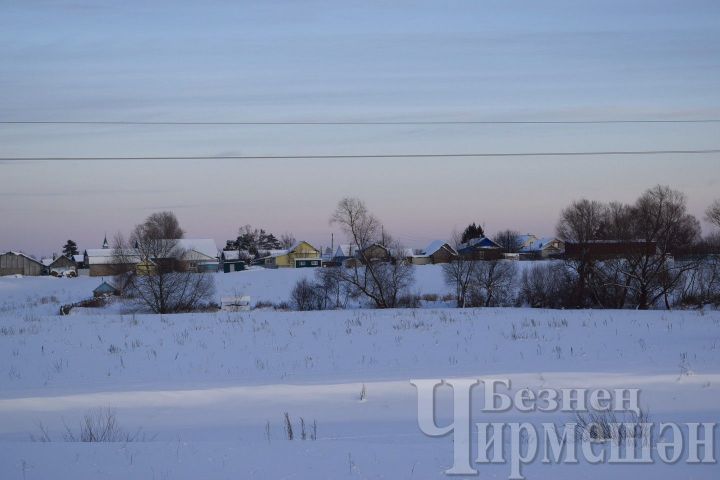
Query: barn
{"points": [[17, 263], [62, 266]]}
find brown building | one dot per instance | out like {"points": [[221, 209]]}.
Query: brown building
{"points": [[437, 252], [106, 262], [375, 253], [602, 249], [481, 249]]}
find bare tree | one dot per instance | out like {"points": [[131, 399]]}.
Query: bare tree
{"points": [[307, 295], [616, 222], [161, 281], [381, 282], [459, 273], [335, 291], [607, 282], [162, 225], [493, 282], [360, 226], [545, 285], [581, 223], [509, 240], [287, 240], [660, 218], [712, 214], [702, 284]]}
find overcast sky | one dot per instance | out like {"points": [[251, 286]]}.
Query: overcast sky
{"points": [[331, 60]]}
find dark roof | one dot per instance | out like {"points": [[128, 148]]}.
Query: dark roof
{"points": [[479, 244]]}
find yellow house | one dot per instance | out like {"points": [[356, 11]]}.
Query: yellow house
{"points": [[145, 267], [300, 255]]}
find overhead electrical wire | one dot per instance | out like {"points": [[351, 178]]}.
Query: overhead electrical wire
{"points": [[368, 156], [356, 123]]}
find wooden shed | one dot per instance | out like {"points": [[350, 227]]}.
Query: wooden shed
{"points": [[17, 263], [105, 290], [62, 266], [233, 260]]}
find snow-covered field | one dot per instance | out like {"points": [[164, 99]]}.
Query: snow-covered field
{"points": [[45, 294], [209, 391]]}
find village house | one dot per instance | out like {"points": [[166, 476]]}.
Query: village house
{"points": [[62, 266], [524, 241], [17, 263], [374, 253], [438, 251], [343, 253], [198, 254], [299, 255], [480, 249], [546, 247], [106, 262]]}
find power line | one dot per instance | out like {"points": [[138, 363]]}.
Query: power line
{"points": [[370, 156], [358, 123]]}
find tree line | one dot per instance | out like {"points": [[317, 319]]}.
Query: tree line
{"points": [[682, 269]]}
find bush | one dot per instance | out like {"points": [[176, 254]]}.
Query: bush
{"points": [[545, 286], [307, 295], [492, 283], [605, 426], [99, 426], [408, 301], [702, 285]]}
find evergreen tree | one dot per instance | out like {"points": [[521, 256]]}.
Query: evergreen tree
{"points": [[471, 232], [70, 249]]}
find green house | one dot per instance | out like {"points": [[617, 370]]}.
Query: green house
{"points": [[105, 290]]}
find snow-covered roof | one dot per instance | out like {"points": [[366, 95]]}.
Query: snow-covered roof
{"points": [[526, 239], [231, 254], [275, 253], [546, 240], [108, 256], [78, 258], [204, 246], [294, 246], [21, 254], [538, 245], [481, 242], [47, 261], [435, 246], [297, 244]]}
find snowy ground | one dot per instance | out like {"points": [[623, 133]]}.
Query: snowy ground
{"points": [[45, 294], [203, 388]]}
